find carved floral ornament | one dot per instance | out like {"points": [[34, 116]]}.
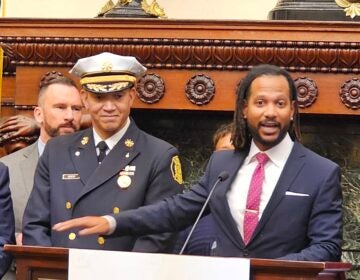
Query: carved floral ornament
{"points": [[351, 7], [307, 91], [350, 94], [150, 88], [200, 89]]}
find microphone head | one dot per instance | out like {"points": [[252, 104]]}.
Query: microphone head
{"points": [[223, 175]]}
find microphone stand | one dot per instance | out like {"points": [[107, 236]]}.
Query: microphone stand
{"points": [[222, 177]]}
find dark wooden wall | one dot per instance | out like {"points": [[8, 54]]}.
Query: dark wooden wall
{"points": [[193, 65]]}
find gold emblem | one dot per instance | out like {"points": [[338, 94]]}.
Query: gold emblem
{"points": [[85, 140], [72, 236], [107, 66], [101, 240], [116, 210], [176, 169], [124, 181], [68, 205], [129, 143]]}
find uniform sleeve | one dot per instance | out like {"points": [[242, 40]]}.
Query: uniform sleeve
{"points": [[36, 220], [166, 181], [7, 221]]}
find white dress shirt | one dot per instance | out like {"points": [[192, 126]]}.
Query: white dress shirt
{"points": [[237, 195], [111, 141]]}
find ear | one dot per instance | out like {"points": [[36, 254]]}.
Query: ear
{"points": [[39, 115], [84, 98], [132, 95], [292, 110], [245, 109]]}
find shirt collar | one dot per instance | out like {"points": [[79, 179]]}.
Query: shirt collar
{"points": [[112, 140], [40, 146], [277, 154]]}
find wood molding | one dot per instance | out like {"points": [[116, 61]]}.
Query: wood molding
{"points": [[326, 54]]}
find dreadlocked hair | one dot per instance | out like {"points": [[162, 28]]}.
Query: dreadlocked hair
{"points": [[241, 137]]}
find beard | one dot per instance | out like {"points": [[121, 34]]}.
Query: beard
{"points": [[56, 131], [268, 144]]}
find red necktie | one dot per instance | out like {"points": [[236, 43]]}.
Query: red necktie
{"points": [[251, 217]]}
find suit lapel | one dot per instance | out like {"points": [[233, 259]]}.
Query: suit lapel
{"points": [[28, 166], [83, 155], [221, 208], [291, 169], [120, 156]]}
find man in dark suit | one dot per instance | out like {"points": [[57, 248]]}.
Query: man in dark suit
{"points": [[112, 167], [298, 215], [7, 221]]}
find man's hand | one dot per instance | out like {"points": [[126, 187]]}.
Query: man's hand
{"points": [[19, 125], [89, 225]]}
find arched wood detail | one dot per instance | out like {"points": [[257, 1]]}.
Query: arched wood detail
{"points": [[307, 91], [150, 88]]}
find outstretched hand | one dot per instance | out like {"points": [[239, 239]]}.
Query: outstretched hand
{"points": [[90, 225]]}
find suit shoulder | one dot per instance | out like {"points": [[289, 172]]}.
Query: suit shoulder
{"points": [[316, 159], [16, 156], [154, 141]]}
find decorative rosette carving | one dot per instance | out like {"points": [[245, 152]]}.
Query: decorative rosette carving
{"points": [[350, 93], [150, 88], [200, 89], [307, 91]]}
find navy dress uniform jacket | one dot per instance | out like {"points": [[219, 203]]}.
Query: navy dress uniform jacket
{"points": [[302, 221], [70, 183]]}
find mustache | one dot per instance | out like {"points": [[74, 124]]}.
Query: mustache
{"points": [[67, 125]]}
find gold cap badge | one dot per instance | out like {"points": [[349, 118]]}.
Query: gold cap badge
{"points": [[85, 140], [129, 143], [176, 169]]}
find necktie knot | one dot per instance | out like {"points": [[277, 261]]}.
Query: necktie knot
{"points": [[262, 158], [102, 148]]}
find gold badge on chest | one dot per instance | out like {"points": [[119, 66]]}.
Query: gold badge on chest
{"points": [[124, 181]]}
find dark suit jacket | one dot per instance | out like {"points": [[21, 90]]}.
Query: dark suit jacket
{"points": [[7, 221], [202, 242], [302, 221], [70, 183]]}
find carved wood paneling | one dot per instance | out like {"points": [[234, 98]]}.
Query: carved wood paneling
{"points": [[299, 56], [216, 52]]}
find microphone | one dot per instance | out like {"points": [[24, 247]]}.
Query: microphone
{"points": [[222, 177]]}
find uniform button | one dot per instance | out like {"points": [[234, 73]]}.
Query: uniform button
{"points": [[68, 205], [116, 210], [101, 240], [72, 236], [245, 253]]}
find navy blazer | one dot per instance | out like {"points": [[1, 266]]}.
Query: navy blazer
{"points": [[7, 220], [69, 183], [302, 220]]}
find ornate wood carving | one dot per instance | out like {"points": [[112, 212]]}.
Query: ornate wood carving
{"points": [[299, 56], [307, 91], [200, 89], [350, 93], [150, 88]]}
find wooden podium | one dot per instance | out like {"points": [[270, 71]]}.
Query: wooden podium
{"points": [[38, 263]]}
